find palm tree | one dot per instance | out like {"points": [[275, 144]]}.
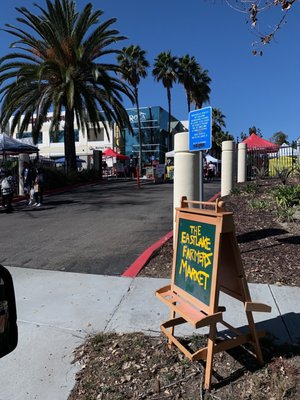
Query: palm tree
{"points": [[165, 70], [188, 72], [57, 67], [201, 90], [134, 66]]}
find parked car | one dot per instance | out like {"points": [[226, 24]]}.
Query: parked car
{"points": [[8, 314]]}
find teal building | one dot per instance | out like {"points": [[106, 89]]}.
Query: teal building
{"points": [[154, 125]]}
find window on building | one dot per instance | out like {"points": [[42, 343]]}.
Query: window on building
{"points": [[26, 135], [58, 136], [95, 135]]}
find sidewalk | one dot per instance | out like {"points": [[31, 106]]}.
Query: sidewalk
{"points": [[57, 310]]}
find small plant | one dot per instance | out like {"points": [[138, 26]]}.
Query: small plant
{"points": [[283, 174], [287, 196], [260, 173], [258, 204], [285, 214], [236, 191], [250, 188]]}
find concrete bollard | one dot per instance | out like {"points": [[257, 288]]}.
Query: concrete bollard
{"points": [[242, 162], [186, 171], [227, 167]]}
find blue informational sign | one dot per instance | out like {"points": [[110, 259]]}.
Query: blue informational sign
{"points": [[200, 129]]}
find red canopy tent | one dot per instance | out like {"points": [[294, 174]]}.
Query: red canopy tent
{"points": [[111, 153], [255, 142]]}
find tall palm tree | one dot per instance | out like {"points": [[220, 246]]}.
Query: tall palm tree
{"points": [[188, 72], [201, 90], [134, 66], [165, 70], [57, 66]]}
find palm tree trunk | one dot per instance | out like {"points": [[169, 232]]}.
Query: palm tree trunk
{"points": [[139, 128], [169, 122], [69, 141], [188, 99]]}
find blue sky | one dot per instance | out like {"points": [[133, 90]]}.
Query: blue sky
{"points": [[261, 91]]}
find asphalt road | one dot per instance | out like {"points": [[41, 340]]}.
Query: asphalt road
{"points": [[98, 229]]}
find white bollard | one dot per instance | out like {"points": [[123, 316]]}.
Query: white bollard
{"points": [[186, 171], [227, 167], [242, 162]]}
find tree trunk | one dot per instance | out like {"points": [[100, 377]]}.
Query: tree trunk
{"points": [[188, 99], [69, 141], [169, 122], [139, 128]]}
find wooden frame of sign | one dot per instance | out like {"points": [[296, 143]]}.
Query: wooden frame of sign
{"points": [[206, 261]]}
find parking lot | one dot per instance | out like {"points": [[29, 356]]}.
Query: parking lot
{"points": [[100, 228]]}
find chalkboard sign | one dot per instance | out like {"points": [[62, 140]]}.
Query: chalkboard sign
{"points": [[194, 258]]}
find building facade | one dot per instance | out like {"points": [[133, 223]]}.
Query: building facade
{"points": [[154, 124]]}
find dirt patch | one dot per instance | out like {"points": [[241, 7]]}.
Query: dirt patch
{"points": [[269, 248], [135, 366]]}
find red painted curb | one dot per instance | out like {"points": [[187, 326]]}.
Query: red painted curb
{"points": [[140, 262]]}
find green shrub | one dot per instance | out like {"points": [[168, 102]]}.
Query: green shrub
{"points": [[255, 204], [236, 190], [250, 188], [283, 174], [287, 196]]}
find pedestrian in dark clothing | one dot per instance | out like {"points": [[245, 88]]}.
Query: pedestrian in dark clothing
{"points": [[7, 191], [28, 176], [38, 188]]}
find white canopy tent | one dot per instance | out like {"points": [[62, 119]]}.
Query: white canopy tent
{"points": [[208, 157]]}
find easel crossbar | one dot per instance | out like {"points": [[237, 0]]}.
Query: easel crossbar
{"points": [[218, 346], [191, 314]]}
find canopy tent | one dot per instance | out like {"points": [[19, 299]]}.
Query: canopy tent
{"points": [[209, 158], [170, 154], [9, 145], [212, 159], [255, 142], [111, 153], [62, 160]]}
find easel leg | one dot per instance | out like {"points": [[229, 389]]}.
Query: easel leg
{"points": [[172, 316], [210, 355], [255, 338]]}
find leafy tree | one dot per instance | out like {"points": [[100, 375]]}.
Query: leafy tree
{"points": [[218, 135], [57, 67], [254, 9], [279, 138], [255, 130], [134, 67], [188, 72], [165, 70]]}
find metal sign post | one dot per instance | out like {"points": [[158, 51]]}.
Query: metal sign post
{"points": [[200, 139]]}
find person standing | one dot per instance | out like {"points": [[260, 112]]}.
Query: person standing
{"points": [[38, 188], [211, 171], [28, 176], [7, 191]]}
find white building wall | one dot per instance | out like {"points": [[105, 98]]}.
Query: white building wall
{"points": [[84, 147]]}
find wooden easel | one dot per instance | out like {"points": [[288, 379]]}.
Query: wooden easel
{"points": [[206, 261]]}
